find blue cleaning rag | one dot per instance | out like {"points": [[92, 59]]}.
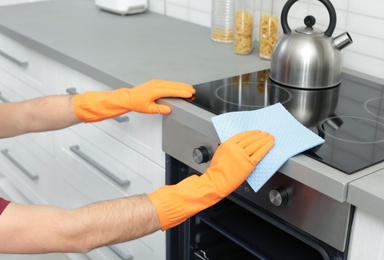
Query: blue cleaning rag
{"points": [[291, 137]]}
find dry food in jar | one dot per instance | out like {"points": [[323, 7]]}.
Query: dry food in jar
{"points": [[268, 35], [243, 41], [222, 35], [222, 21]]}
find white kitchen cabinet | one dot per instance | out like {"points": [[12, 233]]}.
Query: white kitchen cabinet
{"points": [[96, 171], [367, 236], [141, 132], [30, 169], [13, 88], [25, 64], [27, 160], [84, 163], [105, 163], [14, 2]]}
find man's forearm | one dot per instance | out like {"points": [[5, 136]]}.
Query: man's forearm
{"points": [[37, 115], [117, 221], [28, 229]]}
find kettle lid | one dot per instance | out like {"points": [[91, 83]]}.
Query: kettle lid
{"points": [[309, 30]]}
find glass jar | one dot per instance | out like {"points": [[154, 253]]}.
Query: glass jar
{"points": [[222, 21], [269, 28], [243, 27]]}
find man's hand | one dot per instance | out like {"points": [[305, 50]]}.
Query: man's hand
{"points": [[95, 106], [232, 163]]}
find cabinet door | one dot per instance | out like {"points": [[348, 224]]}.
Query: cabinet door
{"points": [[14, 89], [31, 170], [106, 164], [25, 64], [367, 236]]}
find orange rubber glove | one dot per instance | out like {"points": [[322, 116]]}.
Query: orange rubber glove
{"points": [[95, 106], [231, 164]]}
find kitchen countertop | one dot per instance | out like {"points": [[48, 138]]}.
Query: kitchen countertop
{"points": [[123, 51], [120, 51]]}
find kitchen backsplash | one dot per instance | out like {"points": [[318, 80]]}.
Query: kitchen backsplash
{"points": [[363, 20]]}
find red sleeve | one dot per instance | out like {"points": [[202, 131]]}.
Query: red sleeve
{"points": [[3, 204]]}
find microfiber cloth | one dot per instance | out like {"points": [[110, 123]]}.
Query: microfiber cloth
{"points": [[291, 137]]}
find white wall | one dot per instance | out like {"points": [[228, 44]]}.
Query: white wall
{"points": [[363, 20]]}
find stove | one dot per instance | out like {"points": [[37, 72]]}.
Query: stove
{"points": [[312, 219], [350, 117]]}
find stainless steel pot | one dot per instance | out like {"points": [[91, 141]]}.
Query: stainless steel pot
{"points": [[307, 57]]}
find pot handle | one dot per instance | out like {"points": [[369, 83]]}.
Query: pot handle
{"points": [[326, 3]]}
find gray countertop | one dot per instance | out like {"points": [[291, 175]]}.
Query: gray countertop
{"points": [[120, 50], [123, 51]]}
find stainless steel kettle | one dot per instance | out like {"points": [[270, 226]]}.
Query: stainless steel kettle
{"points": [[308, 57]]}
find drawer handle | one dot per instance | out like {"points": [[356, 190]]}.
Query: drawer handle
{"points": [[19, 166], [23, 64], [119, 119], [102, 169], [120, 253], [3, 99]]}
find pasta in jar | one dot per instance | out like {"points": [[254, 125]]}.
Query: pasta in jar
{"points": [[222, 35], [243, 40], [268, 35]]}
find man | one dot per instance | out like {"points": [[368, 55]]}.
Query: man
{"points": [[43, 229]]}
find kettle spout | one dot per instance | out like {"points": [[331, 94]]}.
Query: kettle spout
{"points": [[342, 41]]}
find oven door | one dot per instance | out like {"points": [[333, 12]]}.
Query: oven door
{"points": [[236, 228]]}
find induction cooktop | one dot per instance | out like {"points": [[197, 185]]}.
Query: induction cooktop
{"points": [[349, 117]]}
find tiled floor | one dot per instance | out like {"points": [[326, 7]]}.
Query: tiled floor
{"points": [[30, 257]]}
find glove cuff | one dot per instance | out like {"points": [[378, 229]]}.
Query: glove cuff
{"points": [[94, 106], [176, 203]]}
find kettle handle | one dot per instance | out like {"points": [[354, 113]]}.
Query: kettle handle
{"points": [[328, 5]]}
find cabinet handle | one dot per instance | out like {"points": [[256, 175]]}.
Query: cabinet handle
{"points": [[3, 99], [100, 168], [119, 119], [120, 253], [71, 91], [23, 64], [19, 166]]}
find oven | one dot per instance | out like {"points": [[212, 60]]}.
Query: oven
{"points": [[288, 218]]}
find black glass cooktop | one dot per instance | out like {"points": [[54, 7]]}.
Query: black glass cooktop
{"points": [[350, 117]]}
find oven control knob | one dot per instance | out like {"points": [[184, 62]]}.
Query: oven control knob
{"points": [[278, 196], [201, 155]]}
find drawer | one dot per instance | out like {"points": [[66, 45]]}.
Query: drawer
{"points": [[141, 132], [24, 63], [30, 169], [105, 164], [147, 248], [12, 89]]}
